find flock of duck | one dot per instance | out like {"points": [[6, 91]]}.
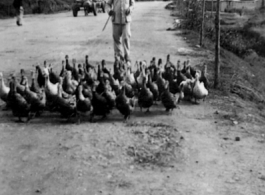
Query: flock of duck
{"points": [[82, 89]]}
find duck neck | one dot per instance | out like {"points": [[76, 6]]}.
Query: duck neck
{"points": [[14, 85], [68, 78], [144, 83], [60, 90], [149, 79], [47, 80], [3, 86], [123, 91], [87, 61], [26, 85], [67, 62], [80, 94], [63, 67]]}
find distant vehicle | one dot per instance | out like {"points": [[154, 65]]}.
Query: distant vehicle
{"points": [[88, 6]]}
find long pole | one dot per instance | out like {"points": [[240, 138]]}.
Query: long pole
{"points": [[109, 16], [202, 24], [106, 23], [212, 9], [217, 46]]}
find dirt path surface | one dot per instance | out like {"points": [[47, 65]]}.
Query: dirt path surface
{"points": [[192, 151]]}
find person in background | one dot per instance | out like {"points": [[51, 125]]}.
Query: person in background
{"points": [[120, 11], [18, 5]]}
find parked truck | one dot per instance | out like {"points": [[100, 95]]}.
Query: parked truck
{"points": [[88, 6]]}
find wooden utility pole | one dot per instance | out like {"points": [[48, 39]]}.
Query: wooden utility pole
{"points": [[202, 24], [217, 45], [212, 9]]}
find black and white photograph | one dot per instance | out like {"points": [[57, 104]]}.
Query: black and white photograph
{"points": [[132, 97]]}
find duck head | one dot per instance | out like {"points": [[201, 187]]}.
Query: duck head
{"points": [[1, 76], [144, 63], [86, 58], [188, 62], [159, 62], [154, 60], [103, 64], [184, 65], [12, 85], [178, 65], [38, 69], [140, 65], [168, 58], [45, 64], [22, 72], [197, 75], [32, 74]]}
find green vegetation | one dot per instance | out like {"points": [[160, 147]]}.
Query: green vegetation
{"points": [[239, 34], [34, 6], [241, 74]]}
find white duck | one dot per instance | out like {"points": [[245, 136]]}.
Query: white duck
{"points": [[142, 75], [50, 88], [46, 69], [199, 91], [71, 84], [4, 90], [129, 77]]}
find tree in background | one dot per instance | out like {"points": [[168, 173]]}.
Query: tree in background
{"points": [[202, 23], [217, 45]]}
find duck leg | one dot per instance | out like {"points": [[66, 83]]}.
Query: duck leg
{"points": [[170, 111], [104, 116], [68, 119], [126, 118], [20, 120], [78, 119], [92, 117], [195, 101], [30, 117]]}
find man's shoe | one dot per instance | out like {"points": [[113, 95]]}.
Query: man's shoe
{"points": [[18, 23]]}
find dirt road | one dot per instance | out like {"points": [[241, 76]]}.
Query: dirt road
{"points": [[51, 37], [200, 153]]}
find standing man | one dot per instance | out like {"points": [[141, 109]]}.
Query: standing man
{"points": [[18, 5], [120, 11]]}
